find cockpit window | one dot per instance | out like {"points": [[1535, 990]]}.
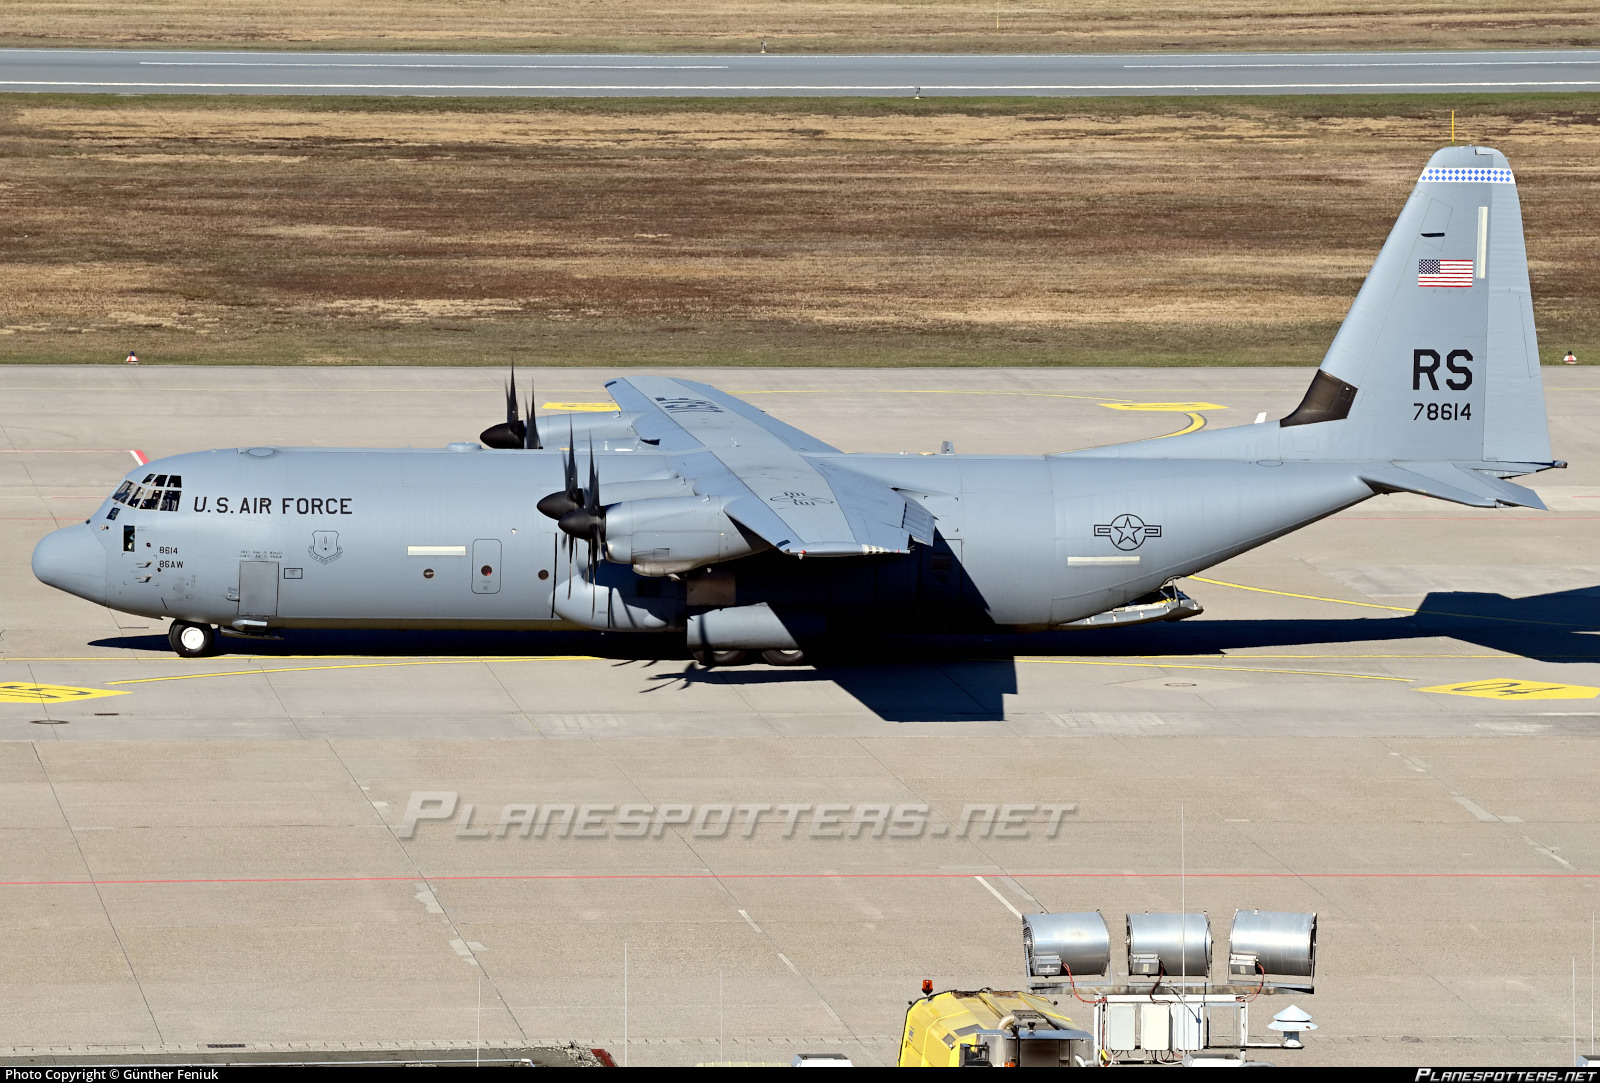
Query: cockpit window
{"points": [[162, 492]]}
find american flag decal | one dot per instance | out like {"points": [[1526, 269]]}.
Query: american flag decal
{"points": [[1444, 272]]}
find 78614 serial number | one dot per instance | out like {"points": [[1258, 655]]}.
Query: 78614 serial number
{"points": [[1442, 411]]}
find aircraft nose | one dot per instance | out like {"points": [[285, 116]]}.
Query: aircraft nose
{"points": [[72, 559]]}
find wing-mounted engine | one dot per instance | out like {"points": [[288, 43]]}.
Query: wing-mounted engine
{"points": [[516, 433], [672, 535]]}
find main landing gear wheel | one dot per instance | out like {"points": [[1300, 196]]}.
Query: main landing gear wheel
{"points": [[784, 658], [709, 659], [190, 640]]}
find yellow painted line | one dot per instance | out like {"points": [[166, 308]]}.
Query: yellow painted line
{"points": [[929, 391], [1392, 608], [1163, 407], [583, 407], [359, 665], [1230, 669], [50, 693], [1196, 423], [1512, 689], [1307, 597]]}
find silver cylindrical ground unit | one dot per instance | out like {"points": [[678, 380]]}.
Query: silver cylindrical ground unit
{"points": [[1173, 946], [1272, 942], [1053, 944]]}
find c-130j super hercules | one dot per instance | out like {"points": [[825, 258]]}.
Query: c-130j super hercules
{"points": [[690, 511]]}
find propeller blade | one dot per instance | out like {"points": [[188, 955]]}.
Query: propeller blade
{"points": [[570, 498], [597, 525], [530, 431], [511, 434], [591, 498]]}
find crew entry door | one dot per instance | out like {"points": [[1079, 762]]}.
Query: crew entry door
{"points": [[258, 588], [486, 566]]}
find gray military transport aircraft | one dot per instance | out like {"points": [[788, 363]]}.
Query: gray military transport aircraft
{"points": [[695, 513]]}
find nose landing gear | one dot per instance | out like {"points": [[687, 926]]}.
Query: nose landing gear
{"points": [[190, 640]]}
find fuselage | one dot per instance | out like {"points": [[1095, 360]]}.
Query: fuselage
{"points": [[259, 538]]}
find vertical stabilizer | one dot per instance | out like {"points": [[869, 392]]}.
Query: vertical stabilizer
{"points": [[1437, 359], [1436, 362]]}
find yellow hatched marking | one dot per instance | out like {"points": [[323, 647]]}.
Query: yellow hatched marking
{"points": [[582, 407], [1509, 689], [1163, 407], [50, 693]]}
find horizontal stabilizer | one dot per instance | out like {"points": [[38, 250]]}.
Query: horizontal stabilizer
{"points": [[1458, 483]]}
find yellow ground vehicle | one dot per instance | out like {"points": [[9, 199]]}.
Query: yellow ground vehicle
{"points": [[990, 1028]]}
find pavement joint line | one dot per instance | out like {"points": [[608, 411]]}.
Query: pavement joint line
{"points": [[1548, 852], [105, 911], [1005, 902], [1184, 665], [770, 88], [361, 665], [1374, 605], [527, 877]]}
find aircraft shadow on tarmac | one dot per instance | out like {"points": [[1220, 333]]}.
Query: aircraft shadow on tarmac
{"points": [[966, 678]]}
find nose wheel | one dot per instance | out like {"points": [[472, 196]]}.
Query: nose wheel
{"points": [[190, 640]]}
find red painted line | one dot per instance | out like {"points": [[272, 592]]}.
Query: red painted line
{"points": [[138, 456], [820, 876]]}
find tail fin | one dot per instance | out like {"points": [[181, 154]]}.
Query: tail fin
{"points": [[1436, 364], [1437, 359]]}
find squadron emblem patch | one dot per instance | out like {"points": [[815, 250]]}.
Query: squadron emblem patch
{"points": [[325, 548]]}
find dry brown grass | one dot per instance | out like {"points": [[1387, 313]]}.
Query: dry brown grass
{"points": [[1053, 232], [808, 25]]}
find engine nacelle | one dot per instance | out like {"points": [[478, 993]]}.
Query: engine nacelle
{"points": [[669, 535]]}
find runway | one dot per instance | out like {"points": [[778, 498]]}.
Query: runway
{"points": [[129, 71], [1389, 718]]}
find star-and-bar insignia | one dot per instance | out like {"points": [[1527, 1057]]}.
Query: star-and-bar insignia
{"points": [[1127, 531]]}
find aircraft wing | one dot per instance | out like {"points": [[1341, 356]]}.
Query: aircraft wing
{"points": [[776, 481]]}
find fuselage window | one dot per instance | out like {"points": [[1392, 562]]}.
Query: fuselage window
{"points": [[148, 478], [121, 495], [150, 499], [170, 499], [161, 480], [112, 514], [175, 481]]}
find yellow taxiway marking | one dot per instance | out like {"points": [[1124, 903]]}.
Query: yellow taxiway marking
{"points": [[1509, 689], [1163, 407], [1391, 608], [50, 693], [583, 407], [358, 665], [1196, 423], [1230, 669]]}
